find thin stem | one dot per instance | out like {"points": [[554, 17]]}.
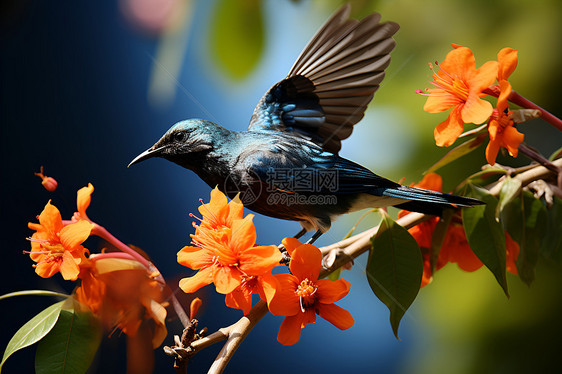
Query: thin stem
{"points": [[515, 98], [103, 233], [535, 156]]}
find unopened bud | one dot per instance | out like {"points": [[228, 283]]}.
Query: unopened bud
{"points": [[194, 307], [49, 183]]}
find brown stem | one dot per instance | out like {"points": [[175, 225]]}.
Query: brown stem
{"points": [[536, 156]]}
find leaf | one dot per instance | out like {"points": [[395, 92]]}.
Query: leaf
{"points": [[33, 292], [457, 152], [439, 236], [34, 330], [551, 246], [395, 268], [485, 233], [556, 154], [483, 177], [526, 223], [237, 36], [71, 345], [510, 190]]}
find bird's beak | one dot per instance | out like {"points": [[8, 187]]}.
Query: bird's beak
{"points": [[149, 153]]}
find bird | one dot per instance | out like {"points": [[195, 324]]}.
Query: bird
{"points": [[287, 164]]}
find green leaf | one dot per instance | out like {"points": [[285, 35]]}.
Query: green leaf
{"points": [[509, 191], [71, 345], [556, 154], [335, 275], [485, 233], [395, 269], [34, 330], [457, 152], [439, 236], [237, 36], [551, 246], [33, 292], [526, 223]]}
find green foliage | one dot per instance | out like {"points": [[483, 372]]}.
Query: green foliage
{"points": [[34, 330], [525, 219], [70, 346], [395, 268], [237, 36], [458, 152], [551, 246], [485, 233], [509, 191]]}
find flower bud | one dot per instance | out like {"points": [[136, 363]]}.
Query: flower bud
{"points": [[49, 183]]}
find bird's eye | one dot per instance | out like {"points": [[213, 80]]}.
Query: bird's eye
{"points": [[178, 136]]}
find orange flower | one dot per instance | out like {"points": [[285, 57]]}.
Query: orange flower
{"points": [[459, 85], [455, 248], [122, 294], [56, 248], [300, 296], [227, 260], [500, 128]]}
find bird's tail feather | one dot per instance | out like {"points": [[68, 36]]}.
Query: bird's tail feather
{"points": [[426, 201]]}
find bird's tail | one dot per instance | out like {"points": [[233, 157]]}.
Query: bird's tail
{"points": [[426, 201]]}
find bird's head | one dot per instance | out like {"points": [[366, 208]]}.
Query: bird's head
{"points": [[184, 140]]}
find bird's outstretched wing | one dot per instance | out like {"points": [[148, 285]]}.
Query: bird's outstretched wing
{"points": [[331, 83]]}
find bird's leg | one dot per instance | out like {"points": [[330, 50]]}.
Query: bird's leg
{"points": [[316, 235], [300, 233]]}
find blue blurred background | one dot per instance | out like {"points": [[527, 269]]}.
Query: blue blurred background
{"points": [[86, 86]]}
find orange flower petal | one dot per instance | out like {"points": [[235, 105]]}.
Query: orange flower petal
{"points": [[336, 315], [47, 269], [306, 262], [431, 181], [476, 110], [195, 257], [202, 278], [442, 101], [259, 260], [505, 91], [507, 59], [449, 130], [243, 234], [267, 286], [483, 77], [226, 279], [285, 302], [512, 139], [74, 234], [238, 299], [291, 244], [50, 218], [69, 269], [290, 329], [512, 253], [460, 62], [83, 199], [492, 151], [329, 292]]}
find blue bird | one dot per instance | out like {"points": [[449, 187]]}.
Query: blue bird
{"points": [[286, 165]]}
